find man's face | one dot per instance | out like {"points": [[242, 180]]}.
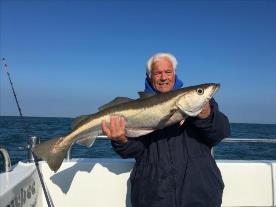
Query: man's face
{"points": [[162, 75]]}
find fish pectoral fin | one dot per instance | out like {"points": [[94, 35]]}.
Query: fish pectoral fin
{"points": [[172, 117], [87, 141], [134, 132], [178, 116]]}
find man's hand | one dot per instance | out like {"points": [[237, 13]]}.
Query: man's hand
{"points": [[116, 129], [205, 111]]}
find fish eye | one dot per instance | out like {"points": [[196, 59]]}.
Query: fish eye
{"points": [[200, 91]]}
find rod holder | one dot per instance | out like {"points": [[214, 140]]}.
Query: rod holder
{"points": [[32, 142]]}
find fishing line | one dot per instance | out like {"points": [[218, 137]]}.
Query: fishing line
{"points": [[45, 190]]}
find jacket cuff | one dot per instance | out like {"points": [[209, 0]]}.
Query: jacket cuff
{"points": [[120, 146]]}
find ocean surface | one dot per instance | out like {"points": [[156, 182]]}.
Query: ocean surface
{"points": [[15, 131]]}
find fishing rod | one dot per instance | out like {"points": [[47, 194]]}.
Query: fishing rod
{"points": [[11, 83], [45, 190]]}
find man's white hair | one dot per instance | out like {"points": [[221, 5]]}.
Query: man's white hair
{"points": [[157, 57]]}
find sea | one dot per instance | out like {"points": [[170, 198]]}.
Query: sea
{"points": [[15, 132]]}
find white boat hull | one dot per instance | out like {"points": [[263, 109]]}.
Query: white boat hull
{"points": [[105, 183], [20, 187]]}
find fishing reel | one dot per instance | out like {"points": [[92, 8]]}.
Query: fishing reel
{"points": [[31, 143]]}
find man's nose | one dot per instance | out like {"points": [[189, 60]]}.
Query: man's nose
{"points": [[163, 76]]}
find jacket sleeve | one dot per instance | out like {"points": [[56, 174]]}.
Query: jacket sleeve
{"points": [[132, 149], [212, 129]]}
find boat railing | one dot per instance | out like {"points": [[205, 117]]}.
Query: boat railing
{"points": [[34, 140], [226, 140], [249, 140], [246, 140], [6, 158]]}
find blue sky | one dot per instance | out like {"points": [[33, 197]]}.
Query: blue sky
{"points": [[67, 58]]}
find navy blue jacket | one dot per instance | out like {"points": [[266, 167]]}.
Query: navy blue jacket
{"points": [[174, 166]]}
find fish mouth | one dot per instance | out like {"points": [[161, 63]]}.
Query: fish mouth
{"points": [[216, 87]]}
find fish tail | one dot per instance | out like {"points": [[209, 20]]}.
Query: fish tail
{"points": [[53, 151]]}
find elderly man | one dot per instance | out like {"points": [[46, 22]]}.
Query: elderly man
{"points": [[174, 166]]}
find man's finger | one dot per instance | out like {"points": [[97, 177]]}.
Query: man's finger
{"points": [[105, 129], [112, 124], [117, 122], [122, 122]]}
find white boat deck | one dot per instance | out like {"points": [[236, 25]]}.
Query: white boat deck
{"points": [[105, 182]]}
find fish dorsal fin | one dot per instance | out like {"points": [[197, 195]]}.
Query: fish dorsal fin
{"points": [[77, 121], [114, 102], [143, 94]]}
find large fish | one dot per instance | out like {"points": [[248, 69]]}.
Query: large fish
{"points": [[143, 115]]}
